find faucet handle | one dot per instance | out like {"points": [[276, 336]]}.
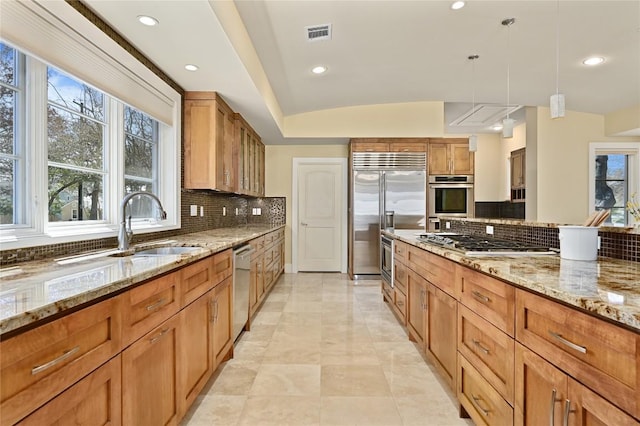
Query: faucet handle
{"points": [[163, 215]]}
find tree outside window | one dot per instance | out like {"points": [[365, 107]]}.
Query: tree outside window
{"points": [[9, 160], [612, 186]]}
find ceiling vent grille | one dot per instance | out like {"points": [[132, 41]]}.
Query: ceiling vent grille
{"points": [[318, 32], [484, 115]]}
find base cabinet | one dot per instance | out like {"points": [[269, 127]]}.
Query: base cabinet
{"points": [[222, 320], [440, 337], [149, 377]]}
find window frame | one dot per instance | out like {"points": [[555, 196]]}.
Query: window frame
{"points": [[36, 229], [611, 148]]}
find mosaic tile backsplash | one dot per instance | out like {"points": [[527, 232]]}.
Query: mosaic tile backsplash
{"points": [[272, 211], [617, 245]]}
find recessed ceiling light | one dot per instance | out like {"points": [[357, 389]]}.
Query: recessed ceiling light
{"points": [[457, 5], [594, 60], [191, 67], [497, 127], [149, 21], [320, 69]]}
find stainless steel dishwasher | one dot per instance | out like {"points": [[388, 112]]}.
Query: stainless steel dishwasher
{"points": [[241, 282]]}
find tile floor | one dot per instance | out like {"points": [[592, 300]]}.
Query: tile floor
{"points": [[324, 350]]}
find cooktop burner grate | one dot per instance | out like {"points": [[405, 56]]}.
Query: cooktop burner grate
{"points": [[473, 243]]}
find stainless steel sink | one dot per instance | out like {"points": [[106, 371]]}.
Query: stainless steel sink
{"points": [[164, 251]]}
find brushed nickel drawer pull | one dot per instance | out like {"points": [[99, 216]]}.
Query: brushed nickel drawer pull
{"points": [[559, 338], [46, 365], [479, 345], [476, 402], [481, 297], [156, 305], [158, 336], [552, 417]]}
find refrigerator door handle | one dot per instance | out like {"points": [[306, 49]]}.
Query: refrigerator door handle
{"points": [[383, 201]]}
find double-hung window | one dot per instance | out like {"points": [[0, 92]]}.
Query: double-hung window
{"points": [[81, 125]]}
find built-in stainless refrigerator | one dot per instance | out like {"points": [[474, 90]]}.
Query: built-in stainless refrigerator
{"points": [[383, 182]]}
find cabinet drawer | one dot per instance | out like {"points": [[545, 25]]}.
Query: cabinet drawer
{"points": [[400, 276], [222, 266], [40, 363], [400, 251], [489, 350], [400, 302], [258, 246], [388, 293], [148, 305], [492, 299], [435, 269], [195, 280], [94, 400], [268, 256], [598, 354], [483, 403]]}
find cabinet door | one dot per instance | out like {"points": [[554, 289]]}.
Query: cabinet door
{"points": [[517, 168], [406, 146], [439, 159], [588, 408], [224, 129], [149, 377], [440, 339], [261, 168], [461, 159], [222, 320], [240, 142], [195, 340], [94, 400], [370, 145], [417, 294], [541, 390]]}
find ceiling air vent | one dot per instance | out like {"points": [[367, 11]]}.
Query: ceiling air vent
{"points": [[484, 115], [318, 32]]}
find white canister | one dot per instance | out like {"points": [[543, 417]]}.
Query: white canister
{"points": [[578, 242]]}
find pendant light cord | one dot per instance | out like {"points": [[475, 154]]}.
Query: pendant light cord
{"points": [[508, 22], [557, 47]]}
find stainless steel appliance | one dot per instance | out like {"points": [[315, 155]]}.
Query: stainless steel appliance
{"points": [[475, 245], [386, 259], [241, 281], [450, 195], [381, 182]]}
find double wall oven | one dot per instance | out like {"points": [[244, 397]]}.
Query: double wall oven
{"points": [[449, 195]]}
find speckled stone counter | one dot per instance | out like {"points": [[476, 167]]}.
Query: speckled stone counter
{"points": [[609, 288], [32, 291]]}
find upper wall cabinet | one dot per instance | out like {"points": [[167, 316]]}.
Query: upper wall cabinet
{"points": [[209, 132], [389, 144], [249, 159], [450, 157], [518, 174]]}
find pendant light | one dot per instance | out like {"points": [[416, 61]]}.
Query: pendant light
{"points": [[473, 139], [556, 102], [507, 123]]}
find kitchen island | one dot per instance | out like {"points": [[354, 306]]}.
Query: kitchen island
{"points": [[523, 339]]}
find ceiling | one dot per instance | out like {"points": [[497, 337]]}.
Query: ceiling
{"points": [[383, 52]]}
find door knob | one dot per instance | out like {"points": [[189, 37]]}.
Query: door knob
{"points": [[303, 224]]}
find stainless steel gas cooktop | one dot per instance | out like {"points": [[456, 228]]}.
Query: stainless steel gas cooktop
{"points": [[479, 245]]}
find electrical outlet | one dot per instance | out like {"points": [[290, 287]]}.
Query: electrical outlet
{"points": [[258, 211], [194, 210], [447, 225], [201, 211], [489, 229], [224, 211]]}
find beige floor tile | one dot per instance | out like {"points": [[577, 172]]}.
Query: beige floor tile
{"points": [[353, 332], [219, 410], [429, 410], [293, 352], [236, 378], [371, 411], [266, 318], [403, 352], [411, 379], [349, 353], [259, 333], [296, 332], [311, 319], [287, 379], [247, 350], [276, 306], [354, 380], [281, 411], [294, 305]]}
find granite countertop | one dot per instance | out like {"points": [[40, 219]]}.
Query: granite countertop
{"points": [[606, 287], [33, 291]]}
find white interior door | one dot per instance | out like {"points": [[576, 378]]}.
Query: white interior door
{"points": [[320, 216]]}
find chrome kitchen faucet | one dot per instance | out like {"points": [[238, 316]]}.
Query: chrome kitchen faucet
{"points": [[126, 234]]}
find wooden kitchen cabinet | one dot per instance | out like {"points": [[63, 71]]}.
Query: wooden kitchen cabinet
{"points": [[600, 355], [450, 157], [416, 311], [249, 159], [150, 377], [517, 162], [209, 133], [408, 145], [440, 336], [222, 320], [546, 395], [369, 145], [39, 364], [94, 400], [195, 342]]}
